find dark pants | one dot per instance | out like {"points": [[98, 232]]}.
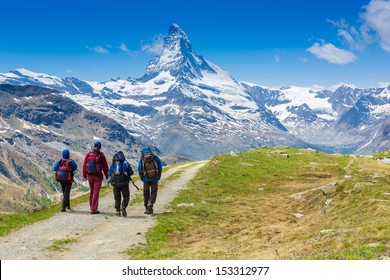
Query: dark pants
{"points": [[120, 192], [95, 183], [66, 194], [150, 192]]}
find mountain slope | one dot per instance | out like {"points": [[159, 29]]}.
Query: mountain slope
{"points": [[190, 107], [35, 125]]}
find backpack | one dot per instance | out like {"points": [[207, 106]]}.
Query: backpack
{"points": [[94, 163], [150, 169], [64, 172], [119, 174]]}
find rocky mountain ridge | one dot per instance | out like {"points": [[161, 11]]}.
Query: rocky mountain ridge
{"points": [[35, 125], [190, 107]]}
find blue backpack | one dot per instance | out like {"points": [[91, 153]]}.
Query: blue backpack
{"points": [[119, 174]]}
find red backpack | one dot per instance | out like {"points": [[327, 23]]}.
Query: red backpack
{"points": [[64, 172], [94, 163]]}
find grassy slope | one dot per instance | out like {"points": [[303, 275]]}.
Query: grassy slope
{"points": [[243, 209]]}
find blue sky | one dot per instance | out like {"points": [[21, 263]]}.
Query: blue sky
{"points": [[271, 43]]}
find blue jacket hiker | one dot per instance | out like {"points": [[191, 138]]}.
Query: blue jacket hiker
{"points": [[65, 169], [149, 170], [120, 175]]}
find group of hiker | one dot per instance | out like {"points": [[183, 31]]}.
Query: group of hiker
{"points": [[118, 174]]}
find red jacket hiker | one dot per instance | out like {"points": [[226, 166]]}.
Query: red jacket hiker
{"points": [[95, 164], [104, 165]]}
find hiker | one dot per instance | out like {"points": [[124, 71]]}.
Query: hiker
{"points": [[120, 175], [95, 164], [65, 169], [149, 170]]}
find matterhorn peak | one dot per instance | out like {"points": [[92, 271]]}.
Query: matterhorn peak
{"points": [[177, 58], [177, 40], [175, 29]]}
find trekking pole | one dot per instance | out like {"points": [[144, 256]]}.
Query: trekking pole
{"points": [[134, 183]]}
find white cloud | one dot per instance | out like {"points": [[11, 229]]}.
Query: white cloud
{"points": [[98, 49], [101, 50], [384, 84], [123, 47], [377, 19], [354, 38], [277, 58], [330, 53], [156, 46]]}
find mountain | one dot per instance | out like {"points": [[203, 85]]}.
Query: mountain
{"points": [[347, 120], [35, 125], [190, 107], [368, 120], [185, 104]]}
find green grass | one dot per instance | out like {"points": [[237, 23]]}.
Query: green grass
{"points": [[59, 244], [382, 155], [242, 210]]}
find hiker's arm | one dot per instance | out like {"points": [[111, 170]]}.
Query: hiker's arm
{"points": [[159, 166], [140, 170], [85, 168], [104, 165], [74, 165], [110, 170], [56, 166]]}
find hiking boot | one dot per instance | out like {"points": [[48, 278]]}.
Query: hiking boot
{"points": [[94, 212], [68, 207], [124, 213], [118, 213], [63, 210], [149, 209]]}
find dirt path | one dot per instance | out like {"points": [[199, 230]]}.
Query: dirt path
{"points": [[98, 237]]}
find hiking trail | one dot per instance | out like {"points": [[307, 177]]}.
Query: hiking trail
{"points": [[96, 237]]}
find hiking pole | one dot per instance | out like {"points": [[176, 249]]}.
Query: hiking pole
{"points": [[134, 184]]}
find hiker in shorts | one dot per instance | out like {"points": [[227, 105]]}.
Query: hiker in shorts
{"points": [[120, 175], [65, 169], [95, 164], [149, 170]]}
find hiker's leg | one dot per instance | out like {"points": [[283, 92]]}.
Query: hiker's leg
{"points": [[97, 183], [153, 193], [66, 191], [63, 205], [152, 198], [91, 181], [126, 196], [146, 193], [117, 198]]}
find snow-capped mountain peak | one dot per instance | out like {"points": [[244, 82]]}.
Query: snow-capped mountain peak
{"points": [[177, 58]]}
